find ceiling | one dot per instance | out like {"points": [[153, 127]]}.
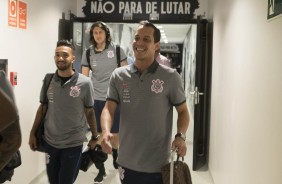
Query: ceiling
{"points": [[175, 33]]}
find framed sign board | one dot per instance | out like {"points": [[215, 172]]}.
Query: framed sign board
{"points": [[274, 9]]}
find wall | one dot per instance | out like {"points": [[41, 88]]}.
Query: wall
{"points": [[30, 53], [245, 138]]}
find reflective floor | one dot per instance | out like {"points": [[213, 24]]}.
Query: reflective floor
{"points": [[198, 177]]}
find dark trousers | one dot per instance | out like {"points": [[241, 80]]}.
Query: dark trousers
{"points": [[62, 164], [98, 108], [128, 176]]}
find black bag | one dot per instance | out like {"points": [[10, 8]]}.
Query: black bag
{"points": [[8, 171], [85, 161], [39, 134], [90, 156], [180, 172], [97, 155]]}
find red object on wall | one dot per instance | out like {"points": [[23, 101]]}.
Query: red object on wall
{"points": [[13, 78], [22, 15], [13, 13]]}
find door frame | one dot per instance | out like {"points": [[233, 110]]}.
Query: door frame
{"points": [[202, 81], [202, 93]]}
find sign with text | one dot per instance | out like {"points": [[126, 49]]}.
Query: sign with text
{"points": [[13, 13], [112, 10], [17, 14], [22, 15]]}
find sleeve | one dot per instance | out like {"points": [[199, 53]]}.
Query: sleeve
{"points": [[84, 60], [89, 97], [177, 94]]}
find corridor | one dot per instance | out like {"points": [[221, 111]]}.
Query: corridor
{"points": [[198, 177]]}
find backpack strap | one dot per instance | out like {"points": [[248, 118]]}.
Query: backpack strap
{"points": [[88, 58], [47, 80], [118, 55]]}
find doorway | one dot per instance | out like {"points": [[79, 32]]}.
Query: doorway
{"points": [[192, 60]]}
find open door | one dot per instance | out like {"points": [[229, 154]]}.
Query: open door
{"points": [[201, 93]]}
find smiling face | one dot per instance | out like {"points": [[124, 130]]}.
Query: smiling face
{"points": [[64, 58], [144, 45]]}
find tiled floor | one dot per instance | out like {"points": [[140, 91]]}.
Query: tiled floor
{"points": [[198, 177]]}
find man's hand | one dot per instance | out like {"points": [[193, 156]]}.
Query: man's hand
{"points": [[180, 145], [105, 144], [92, 143], [32, 142]]}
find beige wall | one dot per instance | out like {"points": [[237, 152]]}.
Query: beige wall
{"points": [[246, 113], [30, 53]]}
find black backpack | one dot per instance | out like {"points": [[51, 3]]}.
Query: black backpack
{"points": [[117, 53]]}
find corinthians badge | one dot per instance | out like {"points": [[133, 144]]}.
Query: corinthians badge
{"points": [[75, 91]]}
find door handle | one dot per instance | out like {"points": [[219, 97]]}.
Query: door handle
{"points": [[196, 94]]}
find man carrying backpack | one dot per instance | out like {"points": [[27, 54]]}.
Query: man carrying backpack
{"points": [[67, 113], [102, 58]]}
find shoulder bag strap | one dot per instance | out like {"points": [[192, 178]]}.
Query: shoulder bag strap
{"points": [[88, 58], [46, 83], [118, 55]]}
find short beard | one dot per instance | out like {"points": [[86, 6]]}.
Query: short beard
{"points": [[64, 67]]}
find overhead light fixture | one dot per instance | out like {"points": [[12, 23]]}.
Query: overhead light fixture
{"points": [[165, 40]]}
